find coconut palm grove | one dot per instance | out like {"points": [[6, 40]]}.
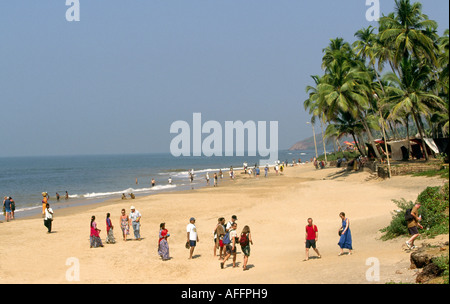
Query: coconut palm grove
{"points": [[390, 84]]}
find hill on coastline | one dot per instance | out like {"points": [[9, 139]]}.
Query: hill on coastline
{"points": [[308, 144]]}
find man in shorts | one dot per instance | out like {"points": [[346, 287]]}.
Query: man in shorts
{"points": [[192, 236], [412, 226], [231, 248], [311, 236]]}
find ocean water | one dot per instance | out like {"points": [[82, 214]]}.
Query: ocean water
{"points": [[95, 178]]}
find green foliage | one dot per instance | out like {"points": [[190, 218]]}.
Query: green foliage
{"points": [[434, 211], [443, 263], [443, 173]]}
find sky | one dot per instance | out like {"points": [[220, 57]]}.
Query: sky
{"points": [[115, 81]]}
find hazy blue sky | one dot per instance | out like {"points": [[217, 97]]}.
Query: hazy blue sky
{"points": [[115, 81]]}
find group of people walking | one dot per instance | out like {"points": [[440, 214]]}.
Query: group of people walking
{"points": [[226, 239], [133, 220]]}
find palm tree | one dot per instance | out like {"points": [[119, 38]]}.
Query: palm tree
{"points": [[344, 89], [408, 94], [409, 32]]}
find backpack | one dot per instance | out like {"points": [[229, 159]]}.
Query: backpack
{"points": [[408, 215], [226, 238], [244, 240]]}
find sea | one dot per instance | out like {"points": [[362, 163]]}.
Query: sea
{"points": [[90, 179]]}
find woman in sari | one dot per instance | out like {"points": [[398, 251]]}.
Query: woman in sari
{"points": [[163, 245], [95, 239], [345, 240], [124, 224], [109, 230]]}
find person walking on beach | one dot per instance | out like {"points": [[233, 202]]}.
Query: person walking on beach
{"points": [[192, 236], [57, 196], [219, 232], [266, 170], [95, 239], [7, 208], [245, 240], [215, 179], [230, 223], [311, 237], [48, 218], [135, 218], [153, 182], [44, 203], [67, 195], [124, 224], [413, 223], [207, 178], [109, 230], [13, 207], [163, 245], [345, 240], [230, 240]]}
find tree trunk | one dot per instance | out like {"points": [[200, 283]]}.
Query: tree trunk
{"points": [[371, 140], [421, 134], [407, 136]]}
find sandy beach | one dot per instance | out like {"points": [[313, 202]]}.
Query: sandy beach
{"points": [[276, 209]]}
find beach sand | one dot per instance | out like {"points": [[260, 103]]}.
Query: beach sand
{"points": [[276, 209]]}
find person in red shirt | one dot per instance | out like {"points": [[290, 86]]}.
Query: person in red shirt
{"points": [[311, 237]]}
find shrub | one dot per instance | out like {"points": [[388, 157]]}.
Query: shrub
{"points": [[434, 211]]}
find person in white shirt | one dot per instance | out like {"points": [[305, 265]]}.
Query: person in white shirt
{"points": [[230, 223], [48, 218], [135, 218], [192, 236]]}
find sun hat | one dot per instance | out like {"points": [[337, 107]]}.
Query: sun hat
{"points": [[192, 219], [132, 207]]}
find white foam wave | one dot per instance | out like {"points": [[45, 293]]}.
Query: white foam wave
{"points": [[126, 191]]}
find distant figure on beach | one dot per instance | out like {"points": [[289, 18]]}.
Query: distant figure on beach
{"points": [[7, 208], [220, 173], [257, 171], [163, 245], [412, 224], [124, 196], [48, 218], [57, 196], [153, 182], [311, 237], [245, 240], [13, 207], [170, 181], [192, 236], [266, 170], [132, 195], [231, 173], [345, 240], [215, 179], [191, 177], [276, 169], [219, 232], [207, 178], [44, 203], [95, 240], [135, 218], [136, 181], [109, 230], [230, 240], [124, 224], [67, 195]]}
